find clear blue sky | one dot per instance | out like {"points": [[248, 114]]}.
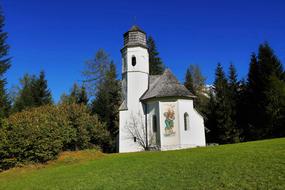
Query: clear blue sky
{"points": [[58, 36]]}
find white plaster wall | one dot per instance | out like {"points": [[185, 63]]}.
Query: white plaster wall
{"points": [[195, 135], [169, 142], [141, 55], [137, 84], [126, 140], [153, 109]]}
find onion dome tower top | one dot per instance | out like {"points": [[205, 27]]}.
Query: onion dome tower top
{"points": [[135, 37]]}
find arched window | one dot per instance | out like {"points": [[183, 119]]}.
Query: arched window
{"points": [[154, 124], [134, 61], [186, 122]]}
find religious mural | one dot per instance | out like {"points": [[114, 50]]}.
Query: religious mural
{"points": [[169, 121]]}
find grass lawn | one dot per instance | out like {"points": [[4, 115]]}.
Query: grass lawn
{"points": [[253, 165]]}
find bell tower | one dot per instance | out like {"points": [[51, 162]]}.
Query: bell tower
{"points": [[135, 66], [135, 76]]}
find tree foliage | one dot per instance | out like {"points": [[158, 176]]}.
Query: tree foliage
{"points": [[33, 92], [264, 96], [39, 134], [252, 109], [195, 83], [40, 91], [95, 71], [156, 66], [5, 103], [221, 105], [78, 95], [188, 82], [101, 78], [107, 101]]}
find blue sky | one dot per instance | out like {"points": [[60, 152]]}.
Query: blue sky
{"points": [[58, 36]]}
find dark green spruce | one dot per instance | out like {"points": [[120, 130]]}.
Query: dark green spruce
{"points": [[265, 95], [5, 103], [156, 66]]}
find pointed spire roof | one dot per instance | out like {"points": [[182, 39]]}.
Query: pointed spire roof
{"points": [[166, 85], [135, 28]]}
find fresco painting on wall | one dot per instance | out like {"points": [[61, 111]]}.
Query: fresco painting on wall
{"points": [[169, 115]]}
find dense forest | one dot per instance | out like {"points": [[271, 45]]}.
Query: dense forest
{"points": [[33, 128]]}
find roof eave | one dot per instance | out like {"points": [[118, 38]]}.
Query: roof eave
{"points": [[166, 97]]}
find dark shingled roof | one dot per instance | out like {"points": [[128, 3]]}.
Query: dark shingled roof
{"points": [[135, 28], [165, 85]]}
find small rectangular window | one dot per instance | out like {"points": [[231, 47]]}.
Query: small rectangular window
{"points": [[154, 124], [135, 139], [186, 122]]}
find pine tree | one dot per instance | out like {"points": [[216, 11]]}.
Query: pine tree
{"points": [[210, 120], [4, 66], [24, 98], [106, 103], [224, 123], [41, 93], [251, 109], [188, 83], [101, 74], [78, 95], [264, 95], [233, 85], [271, 82], [156, 66], [83, 97]]}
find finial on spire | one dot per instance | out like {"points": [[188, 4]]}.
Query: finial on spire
{"points": [[135, 20]]}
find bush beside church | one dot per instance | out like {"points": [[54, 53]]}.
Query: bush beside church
{"points": [[39, 134]]}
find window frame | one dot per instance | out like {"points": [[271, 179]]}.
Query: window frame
{"points": [[154, 124], [134, 61], [186, 122]]}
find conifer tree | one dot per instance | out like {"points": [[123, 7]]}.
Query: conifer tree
{"points": [[41, 92], [265, 95], [101, 74], [78, 95], [33, 92], [83, 97], [4, 66], [25, 96], [224, 123], [188, 83], [233, 86], [252, 97], [106, 103], [156, 66]]}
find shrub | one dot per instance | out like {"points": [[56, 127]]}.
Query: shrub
{"points": [[40, 134], [89, 130]]}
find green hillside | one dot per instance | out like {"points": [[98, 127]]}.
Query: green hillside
{"points": [[253, 165]]}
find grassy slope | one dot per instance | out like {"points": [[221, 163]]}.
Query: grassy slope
{"points": [[254, 165]]}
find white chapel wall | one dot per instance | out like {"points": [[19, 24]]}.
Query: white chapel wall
{"points": [[169, 125], [195, 135]]}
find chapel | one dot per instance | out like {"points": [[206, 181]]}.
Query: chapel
{"points": [[157, 111]]}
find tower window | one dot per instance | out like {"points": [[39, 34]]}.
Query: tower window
{"points": [[135, 139], [134, 61], [186, 121], [154, 124]]}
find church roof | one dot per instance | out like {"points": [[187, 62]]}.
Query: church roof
{"points": [[123, 106], [165, 85], [135, 28]]}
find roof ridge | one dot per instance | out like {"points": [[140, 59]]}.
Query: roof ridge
{"points": [[166, 85]]}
